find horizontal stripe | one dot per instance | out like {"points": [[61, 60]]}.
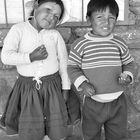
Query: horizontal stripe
{"points": [[86, 50], [101, 58], [92, 53], [102, 54], [100, 64]]}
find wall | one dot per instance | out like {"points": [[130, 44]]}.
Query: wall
{"points": [[130, 33]]}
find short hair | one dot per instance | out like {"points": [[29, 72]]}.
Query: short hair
{"points": [[101, 5]]}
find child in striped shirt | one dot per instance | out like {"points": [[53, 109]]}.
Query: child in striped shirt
{"points": [[100, 66]]}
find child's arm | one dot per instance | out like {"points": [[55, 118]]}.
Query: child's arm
{"points": [[80, 81], [63, 59], [125, 79], [10, 54], [128, 64], [128, 73], [39, 53], [65, 94], [87, 89], [76, 74]]}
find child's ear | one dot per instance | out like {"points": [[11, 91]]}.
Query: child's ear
{"points": [[35, 5], [29, 3], [88, 20]]}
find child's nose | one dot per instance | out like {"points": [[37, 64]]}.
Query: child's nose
{"points": [[51, 16], [106, 21]]}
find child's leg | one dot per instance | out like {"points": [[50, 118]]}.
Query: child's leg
{"points": [[31, 120], [116, 126], [73, 106], [33, 134], [54, 108], [94, 114]]}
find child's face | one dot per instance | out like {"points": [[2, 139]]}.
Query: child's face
{"points": [[102, 22], [47, 15]]}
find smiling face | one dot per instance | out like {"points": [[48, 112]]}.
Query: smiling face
{"points": [[47, 15], [102, 22]]}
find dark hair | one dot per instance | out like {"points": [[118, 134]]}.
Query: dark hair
{"points": [[101, 5], [59, 2]]}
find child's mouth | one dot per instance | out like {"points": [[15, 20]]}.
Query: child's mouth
{"points": [[105, 28]]}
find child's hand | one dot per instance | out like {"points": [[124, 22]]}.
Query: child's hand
{"points": [[87, 89], [39, 53], [124, 79], [65, 94]]}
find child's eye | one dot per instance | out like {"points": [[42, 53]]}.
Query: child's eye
{"points": [[112, 18], [56, 18], [48, 10], [99, 17]]}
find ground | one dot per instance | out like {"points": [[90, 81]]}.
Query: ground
{"points": [[3, 136]]}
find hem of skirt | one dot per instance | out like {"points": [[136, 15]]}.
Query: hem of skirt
{"points": [[10, 131]]}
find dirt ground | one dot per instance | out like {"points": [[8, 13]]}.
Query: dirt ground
{"points": [[3, 136]]}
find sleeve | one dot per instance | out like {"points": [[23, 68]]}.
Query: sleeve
{"points": [[74, 65], [130, 69], [10, 54], [63, 61], [128, 64]]}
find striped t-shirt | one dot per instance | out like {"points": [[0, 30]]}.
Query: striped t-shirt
{"points": [[101, 61]]}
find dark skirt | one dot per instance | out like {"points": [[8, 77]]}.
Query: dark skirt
{"points": [[34, 113]]}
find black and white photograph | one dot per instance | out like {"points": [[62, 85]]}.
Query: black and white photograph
{"points": [[69, 69]]}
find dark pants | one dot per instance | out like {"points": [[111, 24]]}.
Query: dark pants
{"points": [[112, 115]]}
